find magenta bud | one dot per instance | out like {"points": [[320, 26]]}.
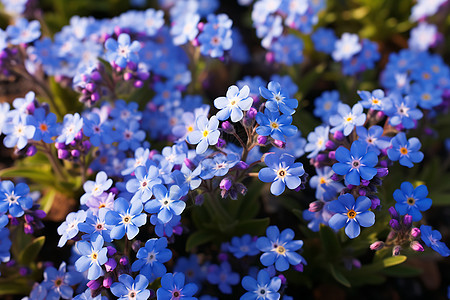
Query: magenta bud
{"points": [[338, 135], [95, 96], [138, 84], [330, 145], [251, 113], [407, 220], [96, 76], [63, 154], [356, 263], [331, 155], [75, 153], [321, 157], [28, 229], [60, 145], [335, 177], [86, 144], [127, 76], [394, 224], [189, 164], [110, 265], [378, 245], [200, 26], [90, 87], [393, 212], [380, 115], [350, 186], [93, 284], [242, 165], [228, 127], [143, 76], [316, 206], [416, 246], [396, 250], [152, 153], [31, 150], [28, 218], [124, 261], [381, 172], [270, 57], [262, 140], [195, 42], [107, 282], [199, 199], [225, 184], [279, 144], [111, 250], [362, 192], [298, 268], [375, 203], [178, 230], [221, 143], [415, 232]]}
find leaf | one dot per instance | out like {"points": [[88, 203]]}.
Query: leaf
{"points": [[339, 276], [393, 261], [199, 238], [47, 200], [14, 286], [29, 254], [253, 227], [402, 271], [36, 174], [330, 243]]}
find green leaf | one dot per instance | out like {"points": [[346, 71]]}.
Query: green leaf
{"points": [[47, 200], [199, 238], [253, 227], [29, 254], [14, 286], [402, 271], [339, 276], [393, 261], [36, 174], [330, 243]]}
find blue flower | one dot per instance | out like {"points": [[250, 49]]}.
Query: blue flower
{"points": [[87, 295], [96, 225], [412, 201], [347, 118], [46, 126], [206, 133], [405, 151], [23, 32], [98, 132], [58, 282], [18, 131], [5, 245], [165, 229], [126, 218], [216, 35], [347, 46], [223, 276], [93, 256], [173, 287], [150, 259], [288, 50], [131, 136], [235, 102], [282, 171], [72, 124], [141, 156], [426, 95], [184, 28], [127, 288], [95, 189], [351, 214], [277, 99], [69, 228], [279, 248], [218, 166], [404, 111], [271, 123], [432, 238], [14, 199], [187, 179], [142, 185], [167, 203], [326, 188], [373, 138], [191, 268], [263, 288], [355, 164], [375, 100], [289, 86], [326, 105], [243, 246], [324, 40], [123, 50], [317, 140]]}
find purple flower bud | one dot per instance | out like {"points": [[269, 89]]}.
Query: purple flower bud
{"points": [[330, 145], [228, 127], [200, 26], [262, 140], [199, 199], [407, 220], [356, 263], [178, 230], [339, 136], [79, 136], [143, 76], [378, 245], [31, 150], [124, 261], [321, 157], [28, 218], [335, 177], [396, 250], [331, 155], [138, 84], [13, 221], [416, 246], [96, 76], [225, 184], [107, 282], [270, 57], [350, 186], [381, 172], [279, 144], [362, 192], [93, 284], [365, 182], [75, 153], [111, 250], [110, 265], [375, 202], [12, 262], [40, 214], [189, 164], [91, 87], [394, 224], [415, 232], [95, 96], [28, 229], [60, 146], [380, 115], [86, 145], [221, 143], [298, 268], [251, 113], [393, 212], [242, 165], [23, 271], [127, 76], [316, 206], [383, 152]]}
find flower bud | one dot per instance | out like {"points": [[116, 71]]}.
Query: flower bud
{"points": [[225, 184], [75, 153], [416, 246], [339, 136], [365, 182], [330, 145], [189, 164], [28, 229], [262, 140], [332, 155], [124, 261], [394, 224], [279, 144], [111, 250], [321, 157], [93, 284], [378, 245], [396, 250], [136, 245], [298, 268], [415, 232], [375, 202], [228, 127], [316, 206], [362, 192], [251, 113], [407, 220], [393, 212], [221, 143], [110, 265], [107, 282], [31, 150], [335, 177], [222, 257], [382, 172]]}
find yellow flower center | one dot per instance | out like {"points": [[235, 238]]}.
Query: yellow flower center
{"points": [[280, 250], [351, 214], [322, 180], [205, 133], [274, 125], [281, 173], [411, 201], [403, 150]]}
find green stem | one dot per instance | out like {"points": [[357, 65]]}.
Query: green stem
{"points": [[55, 165]]}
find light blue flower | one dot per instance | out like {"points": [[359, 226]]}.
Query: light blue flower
{"points": [[235, 102], [205, 135], [347, 118], [93, 256]]}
